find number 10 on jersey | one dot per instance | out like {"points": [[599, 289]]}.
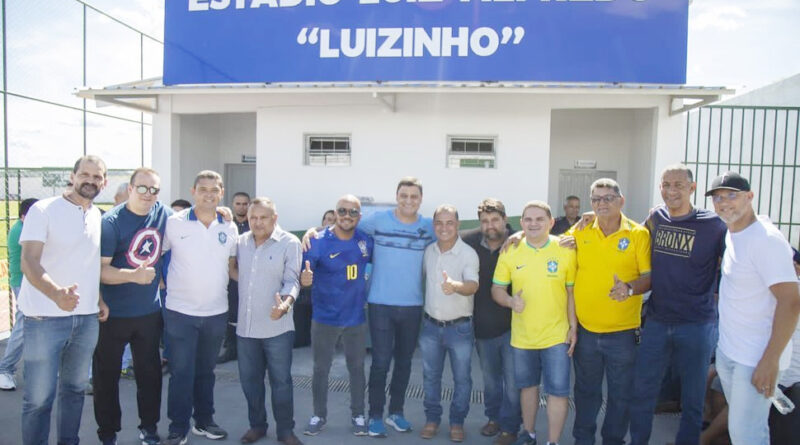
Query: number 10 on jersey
{"points": [[352, 271]]}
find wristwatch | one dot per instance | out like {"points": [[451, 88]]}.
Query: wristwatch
{"points": [[630, 289]]}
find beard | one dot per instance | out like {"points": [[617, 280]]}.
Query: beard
{"points": [[88, 191]]}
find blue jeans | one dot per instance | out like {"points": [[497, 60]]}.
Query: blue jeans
{"points": [[273, 355], [8, 365], [613, 355], [435, 342], [500, 394], [686, 349], [195, 343], [748, 410], [57, 354], [394, 331]]}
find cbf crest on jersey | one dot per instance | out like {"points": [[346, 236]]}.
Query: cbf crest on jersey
{"points": [[222, 236], [623, 244], [145, 248], [552, 266], [362, 245]]}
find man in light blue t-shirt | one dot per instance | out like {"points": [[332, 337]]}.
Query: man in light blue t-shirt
{"points": [[395, 299]]}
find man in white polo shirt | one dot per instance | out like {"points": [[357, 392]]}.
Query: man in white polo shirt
{"points": [[451, 279], [759, 303], [203, 247], [61, 301]]}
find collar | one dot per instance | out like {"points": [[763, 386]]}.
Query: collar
{"points": [[549, 239], [625, 224], [191, 216], [456, 249]]}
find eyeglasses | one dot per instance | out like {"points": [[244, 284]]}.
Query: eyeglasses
{"points": [[608, 199], [341, 211], [679, 186], [142, 189], [730, 196]]}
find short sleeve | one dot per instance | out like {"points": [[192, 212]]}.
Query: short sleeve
{"points": [[472, 267], [312, 255], [166, 244], [774, 265], [109, 238], [235, 234], [642, 238], [35, 227], [368, 223], [572, 265], [502, 272]]}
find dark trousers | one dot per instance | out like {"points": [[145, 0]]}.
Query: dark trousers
{"points": [[394, 331], [194, 343], [785, 429], [143, 334]]}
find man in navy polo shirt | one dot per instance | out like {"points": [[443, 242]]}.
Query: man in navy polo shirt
{"points": [[336, 267], [680, 329], [131, 241]]}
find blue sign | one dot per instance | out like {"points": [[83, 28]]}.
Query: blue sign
{"points": [[240, 41]]}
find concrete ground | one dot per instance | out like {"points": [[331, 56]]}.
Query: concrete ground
{"points": [[232, 411]]}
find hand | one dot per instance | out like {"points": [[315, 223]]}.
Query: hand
{"points": [[306, 241], [586, 220], [226, 213], [67, 298], [572, 339], [619, 291], [765, 377], [568, 242], [102, 314], [512, 240], [144, 274], [448, 285], [307, 275], [280, 308], [517, 303]]}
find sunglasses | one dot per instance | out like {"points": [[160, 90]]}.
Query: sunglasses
{"points": [[142, 189], [341, 211]]}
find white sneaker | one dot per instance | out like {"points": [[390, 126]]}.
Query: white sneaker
{"points": [[7, 382]]}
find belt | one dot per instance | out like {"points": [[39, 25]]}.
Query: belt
{"points": [[444, 323]]}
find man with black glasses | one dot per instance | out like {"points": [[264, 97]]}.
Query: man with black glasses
{"points": [[131, 241]]}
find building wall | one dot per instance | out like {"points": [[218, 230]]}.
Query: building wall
{"points": [[411, 140]]}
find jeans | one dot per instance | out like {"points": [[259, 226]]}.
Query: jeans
{"points": [[394, 331], [500, 394], [611, 354], [273, 355], [323, 343], [8, 365], [195, 343], [435, 342], [748, 410], [142, 335], [686, 349], [57, 354]]}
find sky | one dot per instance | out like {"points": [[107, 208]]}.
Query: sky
{"points": [[740, 44]]}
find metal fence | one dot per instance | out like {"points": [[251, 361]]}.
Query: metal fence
{"points": [[761, 143]]}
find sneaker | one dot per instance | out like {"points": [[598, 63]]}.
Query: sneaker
{"points": [[110, 441], [525, 438], [127, 373], [175, 439], [376, 428], [359, 425], [505, 438], [7, 382], [212, 431], [399, 423], [314, 426], [149, 436]]}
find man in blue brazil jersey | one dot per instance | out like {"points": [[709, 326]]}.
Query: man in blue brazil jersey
{"points": [[336, 267]]}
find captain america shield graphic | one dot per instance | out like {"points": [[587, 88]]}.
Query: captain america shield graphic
{"points": [[145, 248]]}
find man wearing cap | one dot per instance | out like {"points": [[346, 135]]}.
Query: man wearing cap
{"points": [[759, 303]]}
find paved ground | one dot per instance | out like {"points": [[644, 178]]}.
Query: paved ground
{"points": [[232, 412]]}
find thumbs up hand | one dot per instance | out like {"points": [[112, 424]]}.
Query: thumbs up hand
{"points": [[279, 309], [517, 303], [67, 298], [449, 286], [619, 291], [307, 275], [144, 275]]}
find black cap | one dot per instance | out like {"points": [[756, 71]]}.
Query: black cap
{"points": [[729, 181]]}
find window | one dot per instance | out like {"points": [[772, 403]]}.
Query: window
{"points": [[470, 152], [331, 151]]}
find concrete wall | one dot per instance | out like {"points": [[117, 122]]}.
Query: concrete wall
{"points": [[386, 144]]}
